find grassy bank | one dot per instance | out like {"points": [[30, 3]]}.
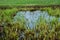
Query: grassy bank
{"points": [[29, 2], [53, 10]]}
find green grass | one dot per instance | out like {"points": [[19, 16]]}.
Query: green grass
{"points": [[29, 2], [11, 31], [51, 11]]}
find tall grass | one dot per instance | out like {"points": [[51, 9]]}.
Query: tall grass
{"points": [[19, 31]]}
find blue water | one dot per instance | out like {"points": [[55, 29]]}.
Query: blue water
{"points": [[32, 17]]}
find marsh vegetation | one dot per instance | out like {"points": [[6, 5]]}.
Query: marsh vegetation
{"points": [[43, 24]]}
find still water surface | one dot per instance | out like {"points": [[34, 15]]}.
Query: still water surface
{"points": [[33, 17]]}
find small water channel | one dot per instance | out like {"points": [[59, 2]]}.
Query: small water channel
{"points": [[33, 17]]}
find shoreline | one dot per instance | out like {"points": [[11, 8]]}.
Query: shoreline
{"points": [[31, 6]]}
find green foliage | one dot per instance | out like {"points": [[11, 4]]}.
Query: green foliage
{"points": [[43, 31], [6, 17], [54, 12]]}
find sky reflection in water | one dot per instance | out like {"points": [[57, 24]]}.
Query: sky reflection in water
{"points": [[33, 17]]}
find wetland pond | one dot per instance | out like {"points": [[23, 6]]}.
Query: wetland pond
{"points": [[33, 17]]}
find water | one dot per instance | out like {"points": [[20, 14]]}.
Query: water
{"points": [[33, 17]]}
